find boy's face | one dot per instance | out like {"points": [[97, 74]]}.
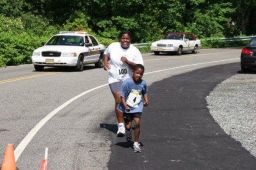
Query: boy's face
{"points": [[137, 74]]}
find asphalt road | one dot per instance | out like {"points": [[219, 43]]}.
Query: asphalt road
{"points": [[70, 112], [178, 131]]}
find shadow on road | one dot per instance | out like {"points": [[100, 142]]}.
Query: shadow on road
{"points": [[110, 127], [124, 144]]}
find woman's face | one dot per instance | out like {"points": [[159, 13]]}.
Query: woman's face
{"points": [[125, 41]]}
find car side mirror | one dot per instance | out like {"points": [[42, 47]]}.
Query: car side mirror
{"points": [[43, 43], [88, 44]]}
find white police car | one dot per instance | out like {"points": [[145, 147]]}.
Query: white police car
{"points": [[74, 49]]}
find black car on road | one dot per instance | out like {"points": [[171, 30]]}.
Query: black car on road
{"points": [[248, 56]]}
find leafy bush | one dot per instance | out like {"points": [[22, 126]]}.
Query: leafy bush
{"points": [[223, 42], [145, 49], [16, 49], [16, 45]]}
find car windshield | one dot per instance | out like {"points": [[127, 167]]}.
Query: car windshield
{"points": [[66, 40], [174, 36], [253, 42]]}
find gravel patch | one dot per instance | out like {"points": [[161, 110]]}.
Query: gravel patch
{"points": [[232, 104]]}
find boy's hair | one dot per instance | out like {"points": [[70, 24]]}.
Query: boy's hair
{"points": [[138, 66]]}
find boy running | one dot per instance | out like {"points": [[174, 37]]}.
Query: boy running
{"points": [[133, 98]]}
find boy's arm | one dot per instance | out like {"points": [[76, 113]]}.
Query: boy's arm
{"points": [[145, 100]]}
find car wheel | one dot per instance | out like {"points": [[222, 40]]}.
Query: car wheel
{"points": [[38, 68], [80, 64], [99, 64], [156, 52], [244, 69], [195, 50], [179, 52]]}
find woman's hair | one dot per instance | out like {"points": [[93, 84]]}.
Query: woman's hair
{"points": [[138, 66], [124, 32]]}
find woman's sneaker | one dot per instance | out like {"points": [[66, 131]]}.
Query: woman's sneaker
{"points": [[121, 130], [136, 147]]}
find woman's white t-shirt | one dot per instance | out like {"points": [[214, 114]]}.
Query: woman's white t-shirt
{"points": [[120, 71]]}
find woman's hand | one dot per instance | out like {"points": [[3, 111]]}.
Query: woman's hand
{"points": [[124, 60], [106, 66]]}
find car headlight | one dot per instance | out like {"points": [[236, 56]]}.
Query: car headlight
{"points": [[169, 45], [36, 54], [68, 54]]}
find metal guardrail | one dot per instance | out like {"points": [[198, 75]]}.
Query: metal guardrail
{"points": [[141, 45], [243, 38]]}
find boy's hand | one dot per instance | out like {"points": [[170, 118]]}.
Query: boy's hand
{"points": [[146, 100], [127, 108]]}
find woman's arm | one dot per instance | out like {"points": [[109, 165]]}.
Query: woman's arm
{"points": [[105, 62], [129, 63]]}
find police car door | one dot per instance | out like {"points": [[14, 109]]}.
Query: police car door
{"points": [[88, 43], [94, 49]]}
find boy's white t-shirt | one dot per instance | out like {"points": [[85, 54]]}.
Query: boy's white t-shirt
{"points": [[118, 70]]}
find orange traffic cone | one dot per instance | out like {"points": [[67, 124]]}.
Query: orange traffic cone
{"points": [[43, 165], [9, 159]]}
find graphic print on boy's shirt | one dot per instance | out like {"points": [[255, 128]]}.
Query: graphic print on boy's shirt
{"points": [[134, 98]]}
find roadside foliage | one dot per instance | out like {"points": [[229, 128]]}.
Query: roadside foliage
{"points": [[25, 25]]}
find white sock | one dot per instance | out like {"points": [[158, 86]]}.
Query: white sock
{"points": [[120, 124], [136, 143]]}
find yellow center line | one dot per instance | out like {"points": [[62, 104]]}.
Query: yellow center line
{"points": [[25, 77]]}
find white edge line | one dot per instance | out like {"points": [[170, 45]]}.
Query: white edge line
{"points": [[26, 140], [191, 65], [46, 154]]}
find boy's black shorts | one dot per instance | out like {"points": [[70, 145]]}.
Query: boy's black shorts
{"points": [[129, 116]]}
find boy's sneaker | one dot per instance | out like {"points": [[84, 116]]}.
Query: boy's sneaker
{"points": [[121, 130], [141, 144], [129, 136], [136, 147]]}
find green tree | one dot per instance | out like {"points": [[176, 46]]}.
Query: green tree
{"points": [[12, 8], [244, 16]]}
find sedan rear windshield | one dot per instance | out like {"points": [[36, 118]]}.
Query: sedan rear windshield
{"points": [[66, 40], [253, 42], [174, 36]]}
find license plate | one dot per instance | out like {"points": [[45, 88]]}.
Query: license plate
{"points": [[49, 61]]}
